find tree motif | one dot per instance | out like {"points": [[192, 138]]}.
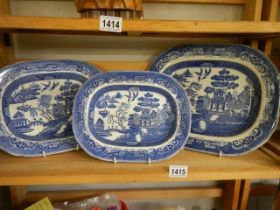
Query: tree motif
{"points": [[103, 102], [22, 95], [183, 78], [118, 95], [119, 116], [148, 101], [224, 80], [45, 101], [203, 73], [146, 105], [67, 95], [59, 110], [44, 104], [209, 90], [133, 93]]}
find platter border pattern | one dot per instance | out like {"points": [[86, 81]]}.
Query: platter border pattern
{"points": [[21, 147], [269, 77]]}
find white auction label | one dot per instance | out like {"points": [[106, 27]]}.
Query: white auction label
{"points": [[110, 23], [178, 171]]}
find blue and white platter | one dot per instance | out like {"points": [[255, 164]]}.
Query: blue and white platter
{"points": [[234, 95], [131, 117], [36, 106]]}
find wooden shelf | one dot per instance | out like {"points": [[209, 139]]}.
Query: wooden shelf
{"points": [[274, 144], [231, 2], [138, 27], [79, 168]]}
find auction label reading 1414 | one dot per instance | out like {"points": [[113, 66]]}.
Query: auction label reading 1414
{"points": [[110, 24]]}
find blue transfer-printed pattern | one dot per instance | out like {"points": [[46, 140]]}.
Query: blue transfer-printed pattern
{"points": [[39, 107], [131, 117], [37, 100], [223, 100], [225, 95]]}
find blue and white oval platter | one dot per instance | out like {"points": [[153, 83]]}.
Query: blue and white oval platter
{"points": [[234, 95], [131, 117], [36, 106]]}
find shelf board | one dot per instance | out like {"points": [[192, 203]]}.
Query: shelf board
{"points": [[133, 194], [232, 2], [274, 144], [137, 27], [108, 66], [78, 168]]}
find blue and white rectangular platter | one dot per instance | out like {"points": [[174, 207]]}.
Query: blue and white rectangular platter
{"points": [[36, 101], [131, 117], [234, 95]]}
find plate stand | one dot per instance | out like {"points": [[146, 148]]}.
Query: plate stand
{"points": [[149, 162]]}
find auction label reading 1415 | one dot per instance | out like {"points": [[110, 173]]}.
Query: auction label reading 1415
{"points": [[178, 171]]}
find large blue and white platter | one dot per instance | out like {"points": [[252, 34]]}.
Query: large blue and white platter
{"points": [[131, 117], [36, 101], [234, 95]]}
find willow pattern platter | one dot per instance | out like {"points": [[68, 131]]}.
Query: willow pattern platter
{"points": [[234, 95], [36, 106], [131, 117]]}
